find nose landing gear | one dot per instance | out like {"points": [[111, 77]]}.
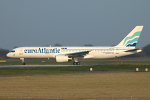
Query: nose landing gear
{"points": [[23, 62]]}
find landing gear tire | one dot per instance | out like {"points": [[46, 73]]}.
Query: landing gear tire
{"points": [[76, 63], [23, 63]]}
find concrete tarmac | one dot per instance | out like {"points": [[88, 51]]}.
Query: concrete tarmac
{"points": [[12, 66]]}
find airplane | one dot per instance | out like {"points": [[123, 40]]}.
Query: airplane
{"points": [[65, 54]]}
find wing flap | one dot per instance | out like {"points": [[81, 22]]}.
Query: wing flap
{"points": [[78, 54]]}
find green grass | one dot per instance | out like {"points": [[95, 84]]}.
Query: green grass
{"points": [[121, 64], [75, 69]]}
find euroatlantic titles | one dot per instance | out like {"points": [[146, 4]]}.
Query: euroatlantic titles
{"points": [[42, 50]]}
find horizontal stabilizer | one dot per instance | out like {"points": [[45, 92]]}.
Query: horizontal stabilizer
{"points": [[134, 50]]}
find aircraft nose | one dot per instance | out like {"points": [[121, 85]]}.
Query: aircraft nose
{"points": [[9, 55]]}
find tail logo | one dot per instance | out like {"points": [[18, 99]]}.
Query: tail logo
{"points": [[132, 40]]}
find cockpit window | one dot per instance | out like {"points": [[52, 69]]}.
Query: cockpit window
{"points": [[12, 51]]}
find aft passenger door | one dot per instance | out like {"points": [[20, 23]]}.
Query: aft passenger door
{"points": [[117, 53]]}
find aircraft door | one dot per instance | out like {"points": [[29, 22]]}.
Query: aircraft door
{"points": [[21, 52], [117, 53]]}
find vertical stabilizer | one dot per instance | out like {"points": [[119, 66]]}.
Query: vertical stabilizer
{"points": [[132, 38]]}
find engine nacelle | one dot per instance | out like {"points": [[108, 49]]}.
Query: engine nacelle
{"points": [[62, 58]]}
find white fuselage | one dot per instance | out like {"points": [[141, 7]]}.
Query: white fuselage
{"points": [[52, 52]]}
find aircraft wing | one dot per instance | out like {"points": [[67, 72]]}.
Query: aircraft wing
{"points": [[78, 54]]}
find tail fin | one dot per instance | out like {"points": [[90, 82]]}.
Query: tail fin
{"points": [[132, 38]]}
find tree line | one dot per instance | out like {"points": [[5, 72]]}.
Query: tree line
{"points": [[3, 53], [145, 52]]}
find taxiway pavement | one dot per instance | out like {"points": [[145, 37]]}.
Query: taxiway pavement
{"points": [[12, 66]]}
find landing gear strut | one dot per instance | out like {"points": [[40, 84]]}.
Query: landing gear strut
{"points": [[22, 59]]}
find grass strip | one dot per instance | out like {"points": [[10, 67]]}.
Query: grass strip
{"points": [[71, 69]]}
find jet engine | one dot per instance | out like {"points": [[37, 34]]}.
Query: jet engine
{"points": [[62, 58]]}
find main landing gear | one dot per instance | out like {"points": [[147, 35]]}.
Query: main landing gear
{"points": [[23, 62], [76, 63]]}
